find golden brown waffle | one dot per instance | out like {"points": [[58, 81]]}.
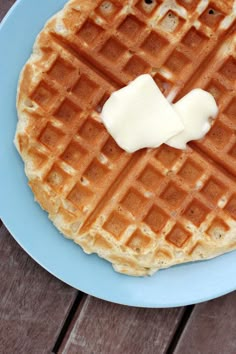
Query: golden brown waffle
{"points": [[157, 207]]}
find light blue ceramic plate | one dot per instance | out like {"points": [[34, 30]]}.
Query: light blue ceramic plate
{"points": [[180, 285]]}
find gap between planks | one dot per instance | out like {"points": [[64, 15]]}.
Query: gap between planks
{"points": [[120, 329], [179, 330], [79, 301], [81, 297]]}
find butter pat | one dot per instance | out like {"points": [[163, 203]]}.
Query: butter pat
{"points": [[194, 110], [139, 116]]}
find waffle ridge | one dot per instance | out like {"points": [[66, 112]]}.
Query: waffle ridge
{"points": [[154, 208]]}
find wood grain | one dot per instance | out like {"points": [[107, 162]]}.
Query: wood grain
{"points": [[33, 304], [104, 328], [211, 328], [5, 6]]}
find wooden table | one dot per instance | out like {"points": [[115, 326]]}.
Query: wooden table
{"points": [[40, 314]]}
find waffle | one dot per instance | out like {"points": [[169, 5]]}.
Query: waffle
{"points": [[157, 207]]}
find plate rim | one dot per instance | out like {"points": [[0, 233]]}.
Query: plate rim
{"points": [[11, 228]]}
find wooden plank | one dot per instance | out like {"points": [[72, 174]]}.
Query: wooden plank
{"points": [[211, 328], [33, 303], [30, 320], [102, 327], [5, 6]]}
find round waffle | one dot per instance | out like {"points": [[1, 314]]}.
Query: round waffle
{"points": [[156, 207]]}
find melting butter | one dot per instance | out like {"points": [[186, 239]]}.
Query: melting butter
{"points": [[139, 116], [195, 110]]}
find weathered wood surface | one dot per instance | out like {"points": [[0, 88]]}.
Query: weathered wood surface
{"points": [[103, 328], [5, 6], [34, 307], [33, 303], [211, 328]]}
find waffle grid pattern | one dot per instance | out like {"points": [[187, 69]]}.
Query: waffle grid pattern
{"points": [[165, 195]]}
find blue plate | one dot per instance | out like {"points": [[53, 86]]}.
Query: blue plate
{"points": [[177, 286]]}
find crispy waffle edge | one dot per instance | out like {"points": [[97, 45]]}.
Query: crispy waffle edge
{"points": [[194, 243]]}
